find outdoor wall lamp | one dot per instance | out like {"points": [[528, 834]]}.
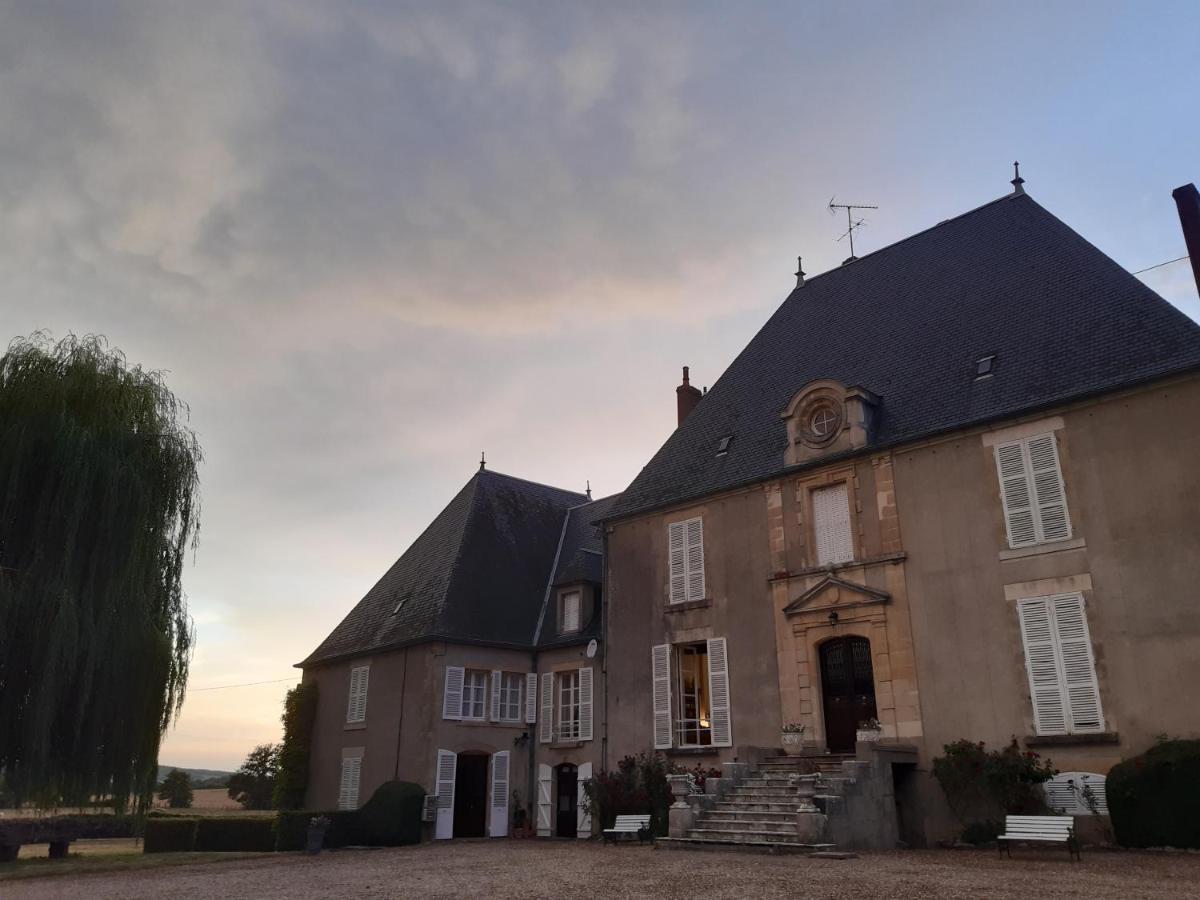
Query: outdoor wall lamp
{"points": [[833, 617], [521, 740]]}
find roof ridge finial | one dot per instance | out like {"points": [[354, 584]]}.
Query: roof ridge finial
{"points": [[799, 273], [482, 461], [1018, 182], [589, 489]]}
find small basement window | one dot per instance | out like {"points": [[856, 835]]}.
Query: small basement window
{"points": [[983, 367]]}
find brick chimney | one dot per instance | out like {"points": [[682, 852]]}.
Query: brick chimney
{"points": [[686, 398], [1187, 199]]}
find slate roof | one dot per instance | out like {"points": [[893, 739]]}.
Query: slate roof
{"points": [[580, 558], [477, 574], [908, 323]]}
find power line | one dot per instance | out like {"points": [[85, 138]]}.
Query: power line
{"points": [[1160, 265], [224, 687]]}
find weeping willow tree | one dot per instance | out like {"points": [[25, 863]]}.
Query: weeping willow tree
{"points": [[99, 506]]}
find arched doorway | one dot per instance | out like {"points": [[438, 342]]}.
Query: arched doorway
{"points": [[568, 800], [847, 690]]}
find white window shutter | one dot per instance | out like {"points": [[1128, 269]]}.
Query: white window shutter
{"points": [[1015, 494], [351, 776], [660, 671], [546, 730], [718, 683], [1078, 665], [499, 818], [356, 705], [676, 552], [1041, 660], [543, 801], [583, 821], [447, 769], [531, 698], [695, 559], [453, 694], [1048, 491], [834, 536], [585, 704], [497, 683]]}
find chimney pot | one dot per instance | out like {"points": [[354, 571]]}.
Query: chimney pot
{"points": [[1187, 201], [686, 398]]}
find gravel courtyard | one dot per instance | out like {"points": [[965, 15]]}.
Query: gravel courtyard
{"points": [[525, 869]]}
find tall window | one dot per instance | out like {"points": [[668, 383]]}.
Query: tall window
{"points": [[356, 705], [1032, 492], [568, 706], [1061, 668], [510, 697], [474, 689], [693, 726], [832, 533], [569, 620], [685, 546]]}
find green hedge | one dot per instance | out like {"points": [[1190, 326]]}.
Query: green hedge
{"points": [[1153, 798], [291, 829], [169, 835], [391, 818], [229, 834]]}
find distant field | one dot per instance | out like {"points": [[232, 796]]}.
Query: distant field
{"points": [[210, 800]]}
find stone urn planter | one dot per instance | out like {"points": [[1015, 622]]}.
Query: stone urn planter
{"points": [[868, 731], [315, 838], [679, 788], [792, 740]]}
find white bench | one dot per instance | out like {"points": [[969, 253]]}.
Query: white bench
{"points": [[1053, 829], [628, 826]]}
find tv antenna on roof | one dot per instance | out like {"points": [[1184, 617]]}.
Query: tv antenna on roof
{"points": [[851, 225]]}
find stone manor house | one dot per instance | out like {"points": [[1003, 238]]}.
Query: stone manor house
{"points": [[949, 486]]}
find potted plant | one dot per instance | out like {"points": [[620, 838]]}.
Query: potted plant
{"points": [[317, 826], [869, 730], [792, 738]]}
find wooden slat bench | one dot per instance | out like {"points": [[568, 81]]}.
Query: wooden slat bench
{"points": [[628, 827], [1052, 829]]}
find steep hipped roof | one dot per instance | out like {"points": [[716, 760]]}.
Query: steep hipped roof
{"points": [[580, 559], [908, 323], [477, 574]]}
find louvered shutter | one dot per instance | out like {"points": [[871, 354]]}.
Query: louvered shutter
{"points": [[447, 769], [1041, 661], [1048, 491], [453, 694], [585, 704], [351, 776], [695, 559], [499, 803], [718, 684], [677, 553], [531, 698], [1015, 494], [660, 670], [583, 821], [831, 524], [1078, 666], [497, 683], [546, 729], [543, 801], [356, 706]]}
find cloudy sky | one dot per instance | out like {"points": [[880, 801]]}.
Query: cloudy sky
{"points": [[368, 241]]}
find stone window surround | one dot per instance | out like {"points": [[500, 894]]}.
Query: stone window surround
{"points": [[804, 491]]}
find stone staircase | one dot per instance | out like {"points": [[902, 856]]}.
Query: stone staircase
{"points": [[760, 811]]}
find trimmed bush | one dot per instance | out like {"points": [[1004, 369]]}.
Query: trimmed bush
{"points": [[228, 834], [392, 817], [1153, 798], [169, 834]]}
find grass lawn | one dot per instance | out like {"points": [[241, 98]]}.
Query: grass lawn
{"points": [[106, 855]]}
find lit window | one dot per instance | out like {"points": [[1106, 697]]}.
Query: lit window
{"points": [[693, 728]]}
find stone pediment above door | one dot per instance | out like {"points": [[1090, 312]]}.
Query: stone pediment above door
{"points": [[832, 592]]}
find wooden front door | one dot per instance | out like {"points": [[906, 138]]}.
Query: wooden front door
{"points": [[568, 801], [847, 690], [470, 795]]}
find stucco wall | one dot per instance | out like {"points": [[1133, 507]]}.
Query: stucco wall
{"points": [[737, 567]]}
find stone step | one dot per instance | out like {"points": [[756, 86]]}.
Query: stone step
{"points": [[690, 843], [759, 805], [778, 795], [742, 836], [716, 823], [763, 815]]}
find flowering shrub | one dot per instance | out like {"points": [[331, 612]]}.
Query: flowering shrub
{"points": [[983, 786], [699, 774], [639, 785]]}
